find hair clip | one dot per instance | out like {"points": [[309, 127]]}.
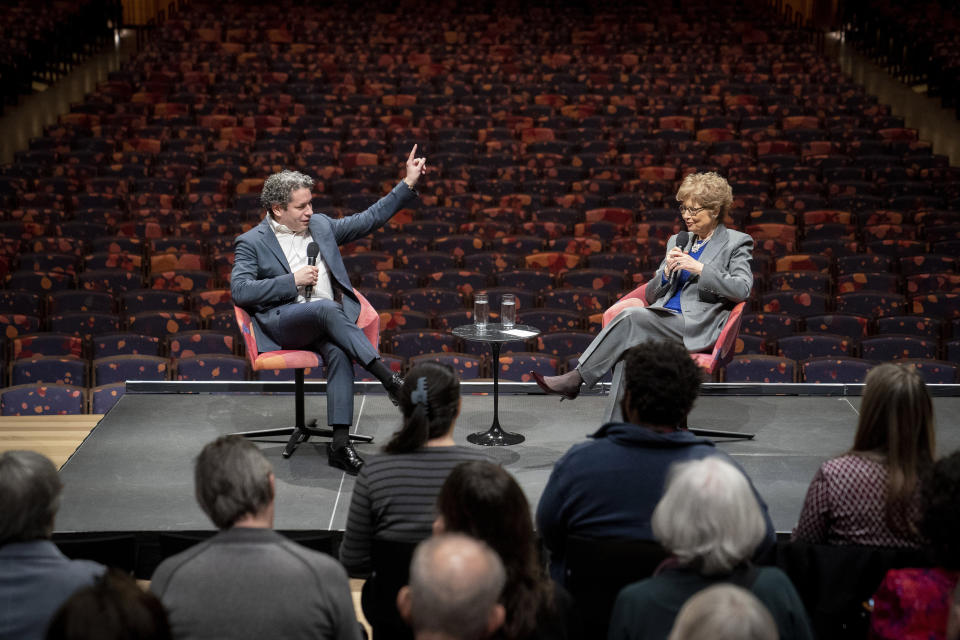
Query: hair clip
{"points": [[419, 395]]}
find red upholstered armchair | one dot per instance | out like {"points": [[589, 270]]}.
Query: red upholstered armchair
{"points": [[369, 321], [721, 354], [722, 351]]}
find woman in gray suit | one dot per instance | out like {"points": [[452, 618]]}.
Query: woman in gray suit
{"points": [[705, 273]]}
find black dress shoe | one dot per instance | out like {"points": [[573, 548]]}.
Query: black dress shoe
{"points": [[393, 388], [345, 458]]}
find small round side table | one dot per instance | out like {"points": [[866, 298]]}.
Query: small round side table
{"points": [[495, 335]]}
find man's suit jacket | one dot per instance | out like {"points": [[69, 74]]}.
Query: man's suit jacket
{"points": [[707, 299], [261, 280]]}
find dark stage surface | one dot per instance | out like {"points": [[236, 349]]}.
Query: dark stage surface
{"points": [[134, 472]]}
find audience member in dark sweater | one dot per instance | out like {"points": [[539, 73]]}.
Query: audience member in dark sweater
{"points": [[710, 520], [455, 582], [724, 612], [482, 500], [395, 493], [871, 495], [916, 603], [608, 487], [114, 608], [248, 581], [35, 577]]}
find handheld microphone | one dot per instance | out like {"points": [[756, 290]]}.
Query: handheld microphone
{"points": [[682, 239], [313, 250]]}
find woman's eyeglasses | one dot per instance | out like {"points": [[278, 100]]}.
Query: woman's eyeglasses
{"points": [[685, 210]]}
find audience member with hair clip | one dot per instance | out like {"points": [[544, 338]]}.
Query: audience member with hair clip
{"points": [[484, 501], [916, 603], [871, 495], [711, 522], [395, 493]]}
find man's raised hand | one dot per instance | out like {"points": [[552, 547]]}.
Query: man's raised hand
{"points": [[416, 167]]}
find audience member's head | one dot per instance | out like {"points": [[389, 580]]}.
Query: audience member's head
{"points": [[953, 623], [941, 518], [708, 516], [234, 482], [430, 402], [483, 500], [896, 422], [455, 583], [113, 608], [661, 383], [29, 496], [724, 612]]}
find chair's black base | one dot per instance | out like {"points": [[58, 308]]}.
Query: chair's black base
{"points": [[299, 434]]}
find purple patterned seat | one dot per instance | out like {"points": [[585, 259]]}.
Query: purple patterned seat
{"points": [[860, 281], [836, 370], [803, 346], [468, 367], [398, 319], [563, 344], [103, 397], [606, 280], [581, 299], [430, 300], [110, 280], [40, 281], [163, 323], [112, 369], [42, 399], [140, 300], [531, 280], [934, 371], [943, 305], [747, 344], [390, 279], [81, 300], [60, 369], [21, 303], [84, 323], [491, 261], [768, 325], [46, 344], [465, 282], [428, 261], [211, 367], [760, 368], [549, 320], [517, 366], [894, 347], [851, 325], [920, 283], [797, 303], [871, 303], [193, 343], [799, 280], [924, 326], [117, 344], [412, 342]]}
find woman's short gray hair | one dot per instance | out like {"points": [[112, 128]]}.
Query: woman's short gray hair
{"points": [[709, 516], [232, 479], [29, 496], [709, 190], [278, 188], [724, 612]]}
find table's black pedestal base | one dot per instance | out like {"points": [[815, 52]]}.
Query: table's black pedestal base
{"points": [[495, 437]]}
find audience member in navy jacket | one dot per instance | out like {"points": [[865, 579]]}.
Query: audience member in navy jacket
{"points": [[608, 487]]}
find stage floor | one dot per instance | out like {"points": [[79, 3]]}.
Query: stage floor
{"points": [[134, 473]]}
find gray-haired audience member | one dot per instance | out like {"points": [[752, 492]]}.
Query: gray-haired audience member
{"points": [[35, 577], [114, 608], [710, 520], [455, 585], [724, 612], [248, 581]]}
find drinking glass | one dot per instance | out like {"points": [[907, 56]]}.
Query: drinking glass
{"points": [[508, 310], [481, 311]]}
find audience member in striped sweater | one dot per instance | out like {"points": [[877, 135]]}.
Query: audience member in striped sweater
{"points": [[395, 493]]}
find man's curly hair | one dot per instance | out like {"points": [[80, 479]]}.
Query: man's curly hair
{"points": [[663, 382], [941, 518]]}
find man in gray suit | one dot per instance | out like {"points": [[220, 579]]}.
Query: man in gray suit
{"points": [[689, 297], [298, 305]]}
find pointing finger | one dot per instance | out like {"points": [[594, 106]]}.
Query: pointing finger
{"points": [[412, 152]]}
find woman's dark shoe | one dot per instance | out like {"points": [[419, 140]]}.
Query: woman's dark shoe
{"points": [[393, 388], [569, 394]]}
